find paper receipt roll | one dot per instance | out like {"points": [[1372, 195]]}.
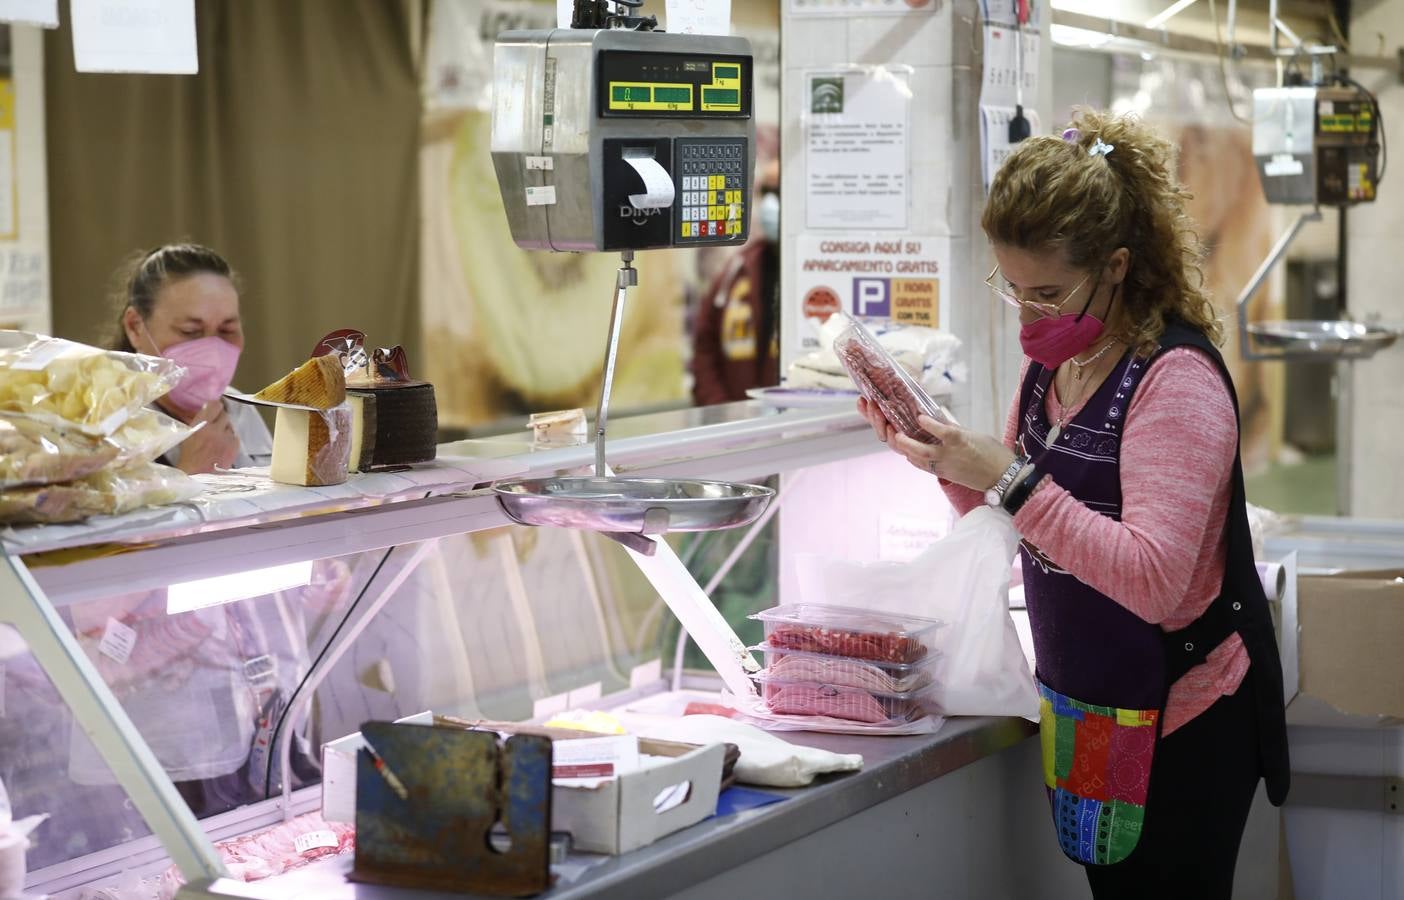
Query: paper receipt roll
{"points": [[659, 192], [1274, 579]]}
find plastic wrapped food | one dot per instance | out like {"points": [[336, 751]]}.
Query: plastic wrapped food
{"points": [[74, 385], [148, 435], [36, 453], [930, 355], [108, 492], [871, 675], [797, 698], [282, 848], [882, 381], [847, 631]]}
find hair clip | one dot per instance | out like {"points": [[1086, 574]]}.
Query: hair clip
{"points": [[1072, 135], [1100, 148]]}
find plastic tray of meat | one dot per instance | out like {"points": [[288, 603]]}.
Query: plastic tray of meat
{"points": [[810, 698], [882, 380], [848, 631], [844, 671]]}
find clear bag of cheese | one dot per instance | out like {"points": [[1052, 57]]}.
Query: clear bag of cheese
{"points": [[73, 385], [110, 492], [34, 452]]}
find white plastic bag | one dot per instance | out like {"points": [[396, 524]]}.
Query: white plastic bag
{"points": [[963, 580]]}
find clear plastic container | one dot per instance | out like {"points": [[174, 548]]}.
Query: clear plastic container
{"points": [[881, 380], [809, 698], [845, 671], [848, 631]]}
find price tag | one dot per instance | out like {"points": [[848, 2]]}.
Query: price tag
{"points": [[315, 840], [118, 641]]}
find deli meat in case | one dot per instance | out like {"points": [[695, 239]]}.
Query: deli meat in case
{"points": [[848, 631]]}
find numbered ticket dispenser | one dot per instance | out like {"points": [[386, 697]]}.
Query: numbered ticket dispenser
{"points": [[618, 139]]}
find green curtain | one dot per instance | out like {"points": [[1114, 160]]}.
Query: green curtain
{"points": [[294, 152]]}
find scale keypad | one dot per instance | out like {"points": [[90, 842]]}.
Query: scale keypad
{"points": [[711, 185]]}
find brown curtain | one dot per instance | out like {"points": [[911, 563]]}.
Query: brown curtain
{"points": [[293, 152]]}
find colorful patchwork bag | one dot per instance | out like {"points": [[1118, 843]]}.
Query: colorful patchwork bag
{"points": [[1096, 766]]}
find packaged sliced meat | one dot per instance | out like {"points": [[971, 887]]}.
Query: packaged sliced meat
{"points": [[280, 849], [871, 675], [815, 699], [884, 382], [847, 631]]}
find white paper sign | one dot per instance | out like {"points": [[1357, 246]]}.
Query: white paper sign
{"points": [[149, 36], [895, 277], [994, 136], [856, 128], [24, 282], [30, 12], [1003, 72], [118, 641], [565, 11], [699, 17]]}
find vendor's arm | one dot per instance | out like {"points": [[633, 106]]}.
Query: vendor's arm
{"points": [[1176, 456]]}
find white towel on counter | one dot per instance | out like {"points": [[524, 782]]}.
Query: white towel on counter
{"points": [[766, 759]]}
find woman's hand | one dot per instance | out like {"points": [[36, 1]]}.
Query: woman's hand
{"points": [[964, 457], [212, 447], [881, 427]]}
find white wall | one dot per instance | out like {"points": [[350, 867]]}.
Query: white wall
{"points": [[24, 262], [1376, 270]]}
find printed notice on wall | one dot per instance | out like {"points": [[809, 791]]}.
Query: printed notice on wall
{"points": [[30, 12], [155, 37], [24, 285], [857, 124], [699, 16], [855, 7], [870, 276]]}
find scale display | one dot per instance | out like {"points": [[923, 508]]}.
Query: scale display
{"points": [[674, 85]]}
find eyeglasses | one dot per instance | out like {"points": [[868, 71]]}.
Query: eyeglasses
{"points": [[1044, 310]]}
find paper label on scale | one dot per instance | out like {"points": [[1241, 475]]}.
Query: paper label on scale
{"points": [[118, 641], [541, 196], [856, 126], [149, 36]]}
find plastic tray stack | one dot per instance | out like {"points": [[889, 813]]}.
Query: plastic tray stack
{"points": [[846, 663]]}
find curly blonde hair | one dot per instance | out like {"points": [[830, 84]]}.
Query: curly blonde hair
{"points": [[1052, 194]]}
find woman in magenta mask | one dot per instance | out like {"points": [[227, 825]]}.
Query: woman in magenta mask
{"points": [[182, 301], [1160, 684]]}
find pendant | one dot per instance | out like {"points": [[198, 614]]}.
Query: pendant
{"points": [[1077, 372], [1053, 433]]}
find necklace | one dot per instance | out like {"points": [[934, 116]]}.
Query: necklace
{"points": [[1067, 407], [1080, 364]]}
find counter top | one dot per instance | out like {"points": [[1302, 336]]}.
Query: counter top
{"points": [[892, 765]]}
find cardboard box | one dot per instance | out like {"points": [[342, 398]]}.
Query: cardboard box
{"points": [[1352, 625], [614, 817], [339, 772]]}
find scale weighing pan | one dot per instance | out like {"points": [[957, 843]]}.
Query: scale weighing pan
{"points": [[1345, 340], [632, 505]]}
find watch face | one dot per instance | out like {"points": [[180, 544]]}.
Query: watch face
{"points": [[993, 497]]}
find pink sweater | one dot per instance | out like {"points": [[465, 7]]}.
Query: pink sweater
{"points": [[1164, 561]]}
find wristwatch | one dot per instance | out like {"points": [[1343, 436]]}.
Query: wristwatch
{"points": [[994, 497]]}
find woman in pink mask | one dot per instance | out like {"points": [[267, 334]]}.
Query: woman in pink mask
{"points": [[1160, 684], [182, 301]]}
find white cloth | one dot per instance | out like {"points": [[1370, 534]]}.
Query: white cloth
{"points": [[255, 440], [765, 758]]}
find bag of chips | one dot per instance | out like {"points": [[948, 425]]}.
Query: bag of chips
{"points": [[73, 385], [35, 453], [110, 492]]}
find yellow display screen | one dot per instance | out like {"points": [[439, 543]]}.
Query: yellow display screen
{"points": [[674, 84]]}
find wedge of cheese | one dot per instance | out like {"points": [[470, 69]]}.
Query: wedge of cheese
{"points": [[319, 383], [393, 425], [312, 447]]}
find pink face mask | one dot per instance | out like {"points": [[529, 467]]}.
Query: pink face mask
{"points": [[1052, 342], [209, 364]]}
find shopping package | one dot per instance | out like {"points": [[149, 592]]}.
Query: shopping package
{"points": [[75, 386], [962, 580], [884, 381], [930, 355], [110, 492]]}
